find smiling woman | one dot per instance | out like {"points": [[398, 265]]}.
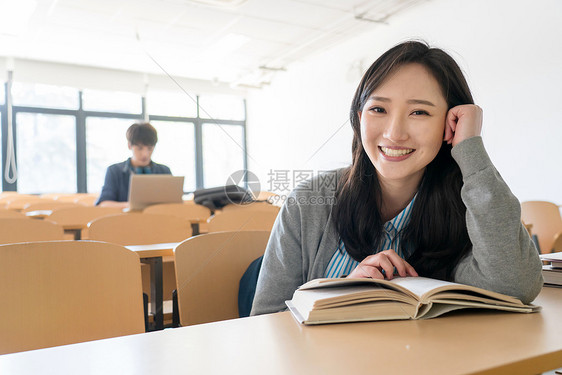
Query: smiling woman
{"points": [[421, 196], [402, 130]]}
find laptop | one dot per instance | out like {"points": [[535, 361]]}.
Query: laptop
{"points": [[148, 189]]}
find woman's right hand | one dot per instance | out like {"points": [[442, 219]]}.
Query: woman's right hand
{"points": [[387, 260]]}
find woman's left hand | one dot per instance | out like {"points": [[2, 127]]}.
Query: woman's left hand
{"points": [[462, 122]]}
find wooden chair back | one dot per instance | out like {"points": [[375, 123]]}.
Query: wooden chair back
{"points": [[72, 197], [77, 215], [14, 230], [51, 195], [19, 202], [191, 212], [64, 292], [48, 205], [5, 213], [546, 220], [208, 272], [88, 200], [139, 229], [6, 196], [237, 220]]}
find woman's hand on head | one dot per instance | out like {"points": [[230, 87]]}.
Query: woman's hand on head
{"points": [[388, 260], [462, 122]]}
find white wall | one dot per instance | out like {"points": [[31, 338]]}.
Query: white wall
{"points": [[510, 50], [87, 77]]}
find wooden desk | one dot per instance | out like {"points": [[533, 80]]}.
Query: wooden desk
{"points": [[152, 255], [38, 214], [74, 229], [482, 342]]}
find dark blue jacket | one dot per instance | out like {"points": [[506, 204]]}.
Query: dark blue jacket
{"points": [[116, 185]]}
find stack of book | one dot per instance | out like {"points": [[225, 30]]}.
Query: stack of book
{"points": [[552, 273]]}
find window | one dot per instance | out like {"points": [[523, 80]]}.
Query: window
{"points": [[176, 149], [223, 152], [51, 122], [46, 153], [110, 101], [166, 103], [106, 144], [3, 94], [224, 107], [44, 96]]}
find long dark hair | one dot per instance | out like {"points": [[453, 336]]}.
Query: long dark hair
{"points": [[437, 231]]}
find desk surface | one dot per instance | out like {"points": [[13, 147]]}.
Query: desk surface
{"points": [[38, 214], [154, 250], [483, 342]]}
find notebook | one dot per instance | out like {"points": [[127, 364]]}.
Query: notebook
{"points": [[147, 189]]}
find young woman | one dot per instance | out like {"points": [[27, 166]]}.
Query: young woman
{"points": [[420, 198]]}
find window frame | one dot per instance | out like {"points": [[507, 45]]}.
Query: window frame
{"points": [[81, 115]]}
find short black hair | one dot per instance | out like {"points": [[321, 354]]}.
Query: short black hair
{"points": [[142, 133]]}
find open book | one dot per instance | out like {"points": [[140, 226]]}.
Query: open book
{"points": [[348, 300]]}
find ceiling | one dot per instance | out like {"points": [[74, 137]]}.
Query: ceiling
{"points": [[240, 42]]}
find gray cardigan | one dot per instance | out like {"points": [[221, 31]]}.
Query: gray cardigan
{"points": [[503, 257]]}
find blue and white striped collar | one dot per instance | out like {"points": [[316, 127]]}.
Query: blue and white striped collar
{"points": [[341, 262], [400, 221]]}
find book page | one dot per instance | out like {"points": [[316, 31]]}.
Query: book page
{"points": [[421, 288], [355, 282], [552, 257], [414, 286]]}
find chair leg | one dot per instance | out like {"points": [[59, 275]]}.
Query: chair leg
{"points": [[145, 305], [175, 310]]}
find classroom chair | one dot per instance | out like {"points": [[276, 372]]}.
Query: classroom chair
{"points": [[139, 229], [50, 195], [10, 195], [77, 217], [72, 197], [208, 272], [195, 213], [241, 219], [49, 205], [546, 220], [18, 202], [14, 230], [5, 213], [65, 292], [87, 200], [143, 229]]}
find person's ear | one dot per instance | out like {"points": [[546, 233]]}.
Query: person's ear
{"points": [[359, 113], [130, 145]]}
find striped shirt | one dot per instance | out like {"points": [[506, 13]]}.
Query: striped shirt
{"points": [[342, 263]]}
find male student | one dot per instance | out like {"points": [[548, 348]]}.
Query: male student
{"points": [[142, 138]]}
